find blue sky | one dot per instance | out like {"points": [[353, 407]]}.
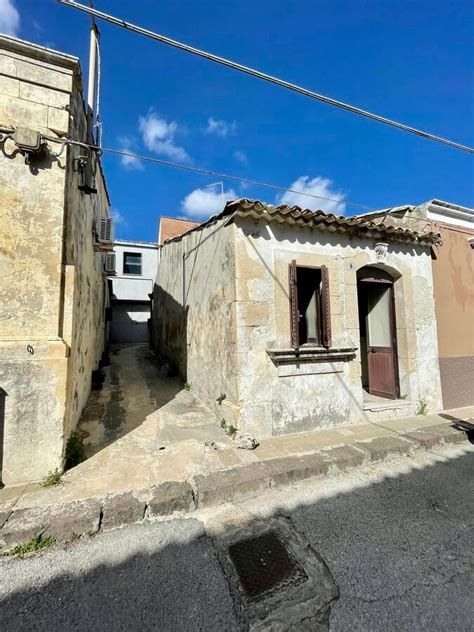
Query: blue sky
{"points": [[411, 61]]}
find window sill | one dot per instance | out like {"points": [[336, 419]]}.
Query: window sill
{"points": [[311, 354]]}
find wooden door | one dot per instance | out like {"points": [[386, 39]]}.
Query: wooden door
{"points": [[381, 341]]}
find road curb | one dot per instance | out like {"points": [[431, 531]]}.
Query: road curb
{"points": [[66, 521]]}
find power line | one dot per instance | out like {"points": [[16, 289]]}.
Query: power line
{"points": [[168, 163], [225, 176], [64, 141], [261, 75]]}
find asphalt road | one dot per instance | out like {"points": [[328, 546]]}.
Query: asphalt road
{"points": [[397, 539]]}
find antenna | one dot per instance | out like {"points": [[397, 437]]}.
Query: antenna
{"points": [[216, 184]]}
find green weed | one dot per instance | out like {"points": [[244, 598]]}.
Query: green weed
{"points": [[422, 407], [52, 479], [75, 452], [36, 543]]}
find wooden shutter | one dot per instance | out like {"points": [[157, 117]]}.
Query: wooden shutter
{"points": [[294, 321], [326, 309]]}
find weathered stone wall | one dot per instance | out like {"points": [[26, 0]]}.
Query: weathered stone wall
{"points": [[299, 397], [221, 304], [51, 286], [194, 313], [87, 294]]}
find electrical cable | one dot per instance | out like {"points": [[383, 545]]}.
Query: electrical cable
{"points": [[8, 132], [261, 75], [199, 170]]}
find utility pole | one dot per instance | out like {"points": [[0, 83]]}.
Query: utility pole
{"points": [[93, 85]]}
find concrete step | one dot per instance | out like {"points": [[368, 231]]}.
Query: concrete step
{"points": [[67, 520]]}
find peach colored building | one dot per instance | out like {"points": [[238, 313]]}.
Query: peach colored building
{"points": [[453, 277]]}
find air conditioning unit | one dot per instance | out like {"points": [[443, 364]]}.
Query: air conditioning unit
{"points": [[109, 263], [105, 229], [103, 235]]}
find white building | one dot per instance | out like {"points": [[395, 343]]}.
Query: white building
{"points": [[135, 271]]}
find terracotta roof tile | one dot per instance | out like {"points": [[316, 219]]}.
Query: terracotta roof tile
{"points": [[319, 220]]}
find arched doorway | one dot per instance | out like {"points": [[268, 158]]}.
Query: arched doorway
{"points": [[378, 333]]}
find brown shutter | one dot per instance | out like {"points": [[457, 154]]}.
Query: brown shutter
{"points": [[294, 323], [326, 309]]}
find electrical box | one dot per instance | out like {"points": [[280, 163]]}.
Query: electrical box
{"points": [[28, 140]]}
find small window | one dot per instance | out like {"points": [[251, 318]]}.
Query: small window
{"points": [[132, 263], [310, 317]]}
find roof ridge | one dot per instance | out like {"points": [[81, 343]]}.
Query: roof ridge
{"points": [[295, 215]]}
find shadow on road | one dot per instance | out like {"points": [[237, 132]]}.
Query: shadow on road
{"points": [[399, 550]]}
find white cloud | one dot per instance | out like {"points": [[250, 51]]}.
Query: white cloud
{"points": [[129, 162], [322, 187], [9, 18], [118, 218], [158, 136], [241, 156], [220, 127], [202, 203]]}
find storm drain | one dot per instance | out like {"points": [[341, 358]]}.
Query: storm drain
{"points": [[264, 565]]}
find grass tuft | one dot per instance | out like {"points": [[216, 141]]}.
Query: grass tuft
{"points": [[36, 543], [422, 407], [52, 479], [232, 431]]}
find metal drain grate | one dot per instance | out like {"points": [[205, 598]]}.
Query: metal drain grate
{"points": [[264, 565]]}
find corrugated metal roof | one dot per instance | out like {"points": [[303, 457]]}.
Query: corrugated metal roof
{"points": [[318, 220]]}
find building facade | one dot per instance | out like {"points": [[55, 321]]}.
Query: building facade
{"points": [[284, 320], [136, 263], [453, 279], [453, 276], [53, 289]]}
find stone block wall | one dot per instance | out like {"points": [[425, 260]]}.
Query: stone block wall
{"points": [[194, 314], [52, 290], [302, 397], [221, 308]]}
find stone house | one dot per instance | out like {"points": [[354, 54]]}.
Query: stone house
{"points": [[54, 234], [286, 320], [453, 281]]}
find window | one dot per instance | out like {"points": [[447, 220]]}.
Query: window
{"points": [[132, 263], [310, 317]]}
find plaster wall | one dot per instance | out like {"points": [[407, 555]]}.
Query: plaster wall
{"points": [[51, 286], [295, 398], [133, 287], [453, 274], [194, 313]]}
